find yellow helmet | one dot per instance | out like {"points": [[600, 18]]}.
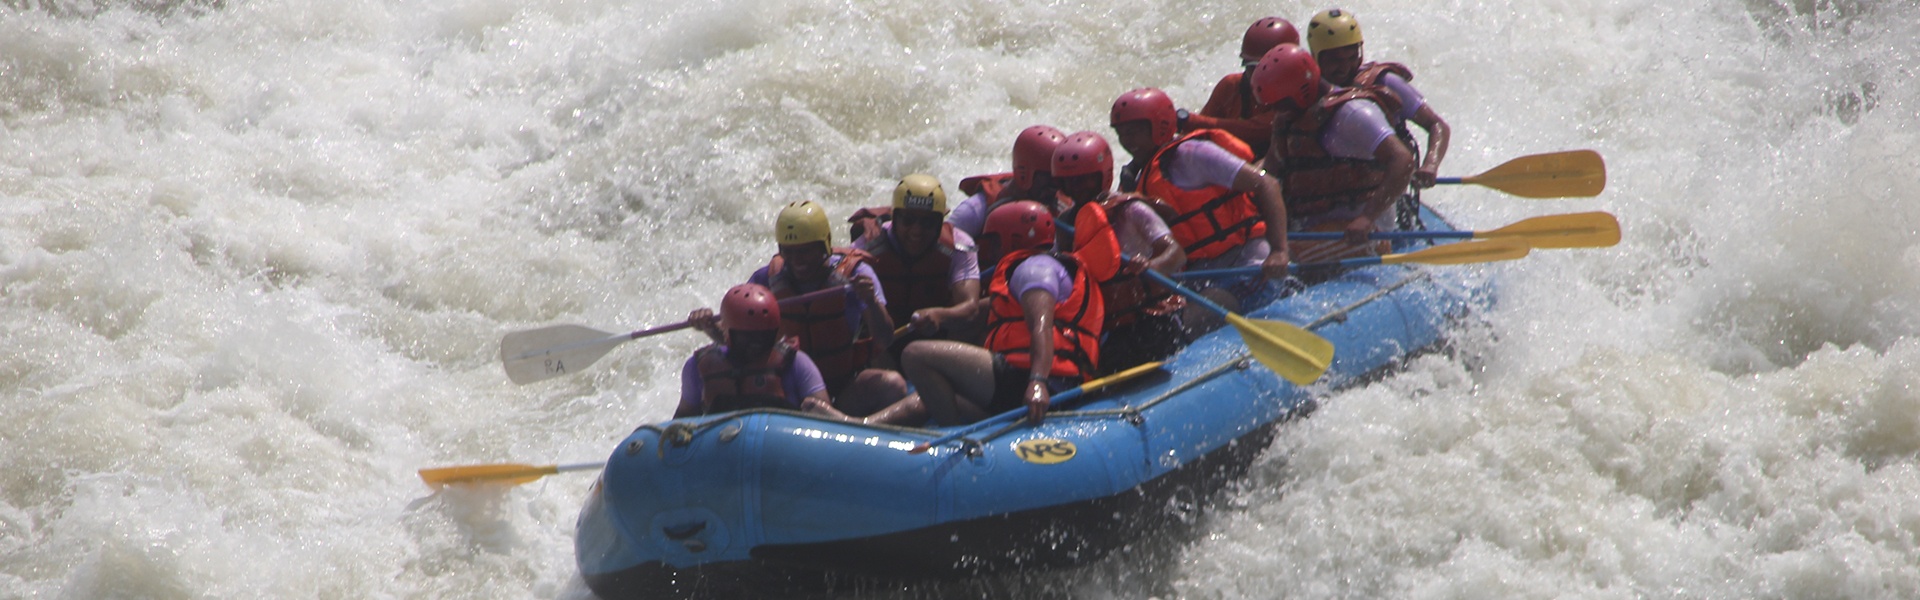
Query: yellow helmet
{"points": [[920, 191], [1333, 28], [802, 222]]}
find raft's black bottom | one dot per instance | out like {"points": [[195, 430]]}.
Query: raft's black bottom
{"points": [[1052, 537]]}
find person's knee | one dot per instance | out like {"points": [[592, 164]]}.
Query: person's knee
{"points": [[890, 384], [881, 385], [916, 355], [872, 390]]}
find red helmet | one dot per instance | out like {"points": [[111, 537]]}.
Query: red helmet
{"points": [[1151, 105], [1287, 72], [1263, 36], [1084, 152], [1033, 152], [1020, 225], [749, 307]]}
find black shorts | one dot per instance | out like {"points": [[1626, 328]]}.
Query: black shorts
{"points": [[1010, 386]]}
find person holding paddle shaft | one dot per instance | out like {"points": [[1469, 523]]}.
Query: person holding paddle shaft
{"points": [[1334, 37], [1231, 107], [923, 262], [838, 330], [1224, 211], [1335, 154], [1044, 324], [751, 366], [1143, 322], [1029, 180]]}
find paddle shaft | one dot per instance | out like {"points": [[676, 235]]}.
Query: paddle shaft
{"points": [[611, 339], [634, 335], [1293, 353], [1056, 399], [1349, 263], [555, 350], [1574, 230], [1446, 254], [1005, 417], [1323, 236], [1169, 283]]}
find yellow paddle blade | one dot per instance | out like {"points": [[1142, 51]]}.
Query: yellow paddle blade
{"points": [[1578, 230], [1463, 253], [1575, 173], [1296, 354], [501, 474]]}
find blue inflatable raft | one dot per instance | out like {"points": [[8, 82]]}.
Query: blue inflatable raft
{"points": [[772, 500]]}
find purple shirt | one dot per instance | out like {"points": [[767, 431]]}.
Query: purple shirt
{"points": [[1196, 164], [855, 305], [1355, 130], [1410, 98], [970, 215], [1041, 272], [1137, 226], [801, 379]]}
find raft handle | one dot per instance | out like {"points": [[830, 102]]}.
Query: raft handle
{"points": [[972, 447], [677, 435]]}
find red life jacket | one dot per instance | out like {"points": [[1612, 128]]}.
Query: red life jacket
{"points": [[1319, 186], [1078, 320], [1210, 220], [1232, 99], [1369, 76], [819, 327], [726, 387], [866, 222], [913, 283]]}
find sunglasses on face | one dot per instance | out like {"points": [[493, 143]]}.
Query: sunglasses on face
{"points": [[925, 221], [1082, 186]]}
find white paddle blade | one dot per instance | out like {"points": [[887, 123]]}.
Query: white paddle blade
{"points": [[548, 352]]}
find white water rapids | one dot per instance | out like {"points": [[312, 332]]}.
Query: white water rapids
{"points": [[256, 257]]}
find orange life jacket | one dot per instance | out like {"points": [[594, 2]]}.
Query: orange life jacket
{"points": [[819, 327], [1078, 320], [1126, 297], [991, 186], [1095, 244], [726, 387], [997, 189], [1319, 186], [1211, 220], [912, 283]]}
